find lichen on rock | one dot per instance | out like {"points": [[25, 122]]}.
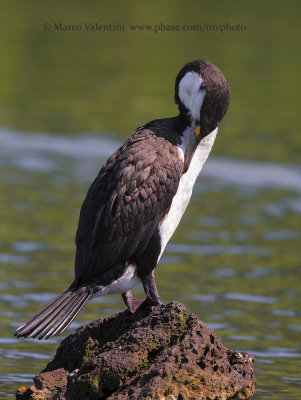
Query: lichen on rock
{"points": [[160, 352]]}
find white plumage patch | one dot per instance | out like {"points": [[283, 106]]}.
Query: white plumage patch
{"points": [[126, 282], [191, 94], [187, 181]]}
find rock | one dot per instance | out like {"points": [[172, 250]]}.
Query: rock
{"points": [[157, 353]]}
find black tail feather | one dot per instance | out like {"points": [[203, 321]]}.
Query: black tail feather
{"points": [[46, 317], [51, 318], [55, 317], [56, 330]]}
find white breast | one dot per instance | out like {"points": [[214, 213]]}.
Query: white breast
{"points": [[187, 181]]}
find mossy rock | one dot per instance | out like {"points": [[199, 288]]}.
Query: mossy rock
{"points": [[156, 353]]}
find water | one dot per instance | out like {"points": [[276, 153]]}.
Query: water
{"points": [[234, 260]]}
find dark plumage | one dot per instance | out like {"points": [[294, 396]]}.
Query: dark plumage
{"points": [[126, 202], [119, 237]]}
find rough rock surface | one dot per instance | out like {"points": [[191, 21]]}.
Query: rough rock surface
{"points": [[157, 353]]}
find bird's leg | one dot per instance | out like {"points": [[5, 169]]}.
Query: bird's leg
{"points": [[151, 290], [152, 295], [130, 301]]}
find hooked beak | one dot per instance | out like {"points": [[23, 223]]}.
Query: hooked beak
{"points": [[193, 142]]}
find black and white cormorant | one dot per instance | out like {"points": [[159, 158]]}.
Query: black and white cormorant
{"points": [[137, 200]]}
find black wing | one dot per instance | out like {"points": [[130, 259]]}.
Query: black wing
{"points": [[125, 203]]}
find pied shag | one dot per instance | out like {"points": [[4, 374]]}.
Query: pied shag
{"points": [[137, 200]]}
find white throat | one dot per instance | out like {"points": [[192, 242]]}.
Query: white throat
{"points": [[191, 94], [187, 181]]}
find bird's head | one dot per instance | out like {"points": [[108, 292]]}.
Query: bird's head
{"points": [[202, 94]]}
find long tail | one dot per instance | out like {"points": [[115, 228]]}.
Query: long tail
{"points": [[55, 317]]}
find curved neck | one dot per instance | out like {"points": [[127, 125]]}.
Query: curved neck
{"points": [[184, 116]]}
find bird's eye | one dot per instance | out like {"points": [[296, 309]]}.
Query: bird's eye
{"points": [[203, 86]]}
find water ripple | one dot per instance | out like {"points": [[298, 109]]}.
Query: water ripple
{"points": [[29, 246], [276, 352], [25, 151], [13, 259], [250, 298], [253, 174], [184, 248]]}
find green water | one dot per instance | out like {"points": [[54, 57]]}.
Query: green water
{"points": [[68, 99], [234, 261]]}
